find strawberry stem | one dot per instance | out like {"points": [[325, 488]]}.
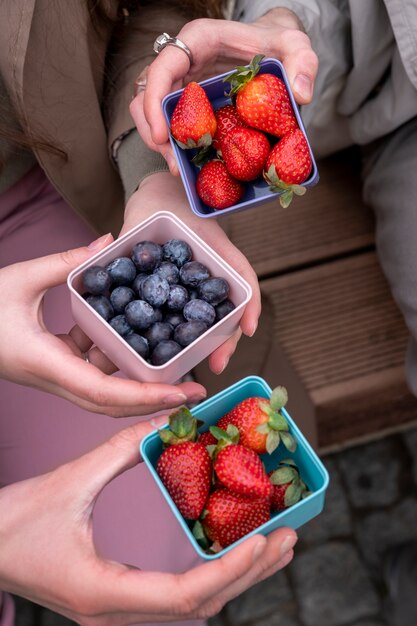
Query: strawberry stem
{"points": [[243, 74]]}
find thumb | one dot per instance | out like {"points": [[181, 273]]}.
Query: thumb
{"points": [[52, 270], [301, 65], [118, 454]]}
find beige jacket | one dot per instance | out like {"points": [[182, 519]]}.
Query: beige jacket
{"points": [[52, 62], [366, 86]]}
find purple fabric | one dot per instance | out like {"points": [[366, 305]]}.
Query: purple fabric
{"points": [[38, 431]]}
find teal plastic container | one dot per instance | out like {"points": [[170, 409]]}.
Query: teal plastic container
{"points": [[312, 470]]}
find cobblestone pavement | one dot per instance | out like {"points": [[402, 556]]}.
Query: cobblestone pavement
{"points": [[335, 578]]}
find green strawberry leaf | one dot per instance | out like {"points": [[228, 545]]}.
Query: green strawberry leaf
{"points": [[285, 199], [279, 397], [278, 422], [289, 441], [293, 494], [199, 535], [272, 441], [283, 475], [299, 190]]}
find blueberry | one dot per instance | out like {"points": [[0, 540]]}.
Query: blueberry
{"points": [[223, 309], [122, 270], [169, 271], [165, 351], [158, 315], [101, 305], [139, 344], [177, 251], [96, 280], [155, 290], [139, 314], [147, 255], [120, 324], [177, 298], [188, 332], [193, 272], [159, 331], [174, 318], [200, 311], [120, 298], [214, 290], [137, 283]]}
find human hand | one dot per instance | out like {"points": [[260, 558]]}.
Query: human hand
{"points": [[48, 554], [218, 46], [160, 191], [31, 355]]}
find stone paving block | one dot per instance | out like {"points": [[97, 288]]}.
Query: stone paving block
{"points": [[271, 596], [335, 519], [277, 619], [332, 586], [383, 529], [371, 472], [410, 440]]}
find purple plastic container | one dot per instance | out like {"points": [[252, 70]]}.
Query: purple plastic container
{"points": [[257, 192]]}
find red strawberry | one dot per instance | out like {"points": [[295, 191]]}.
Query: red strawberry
{"points": [[288, 164], [216, 187], [229, 516], [262, 100], [244, 152], [193, 122], [288, 488], [227, 118], [185, 466], [207, 439], [260, 423], [242, 471]]}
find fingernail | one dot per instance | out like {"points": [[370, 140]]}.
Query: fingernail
{"points": [[253, 330], [288, 543], [158, 422], [257, 551], [303, 86], [172, 164], [175, 399], [223, 367], [98, 243], [196, 398]]}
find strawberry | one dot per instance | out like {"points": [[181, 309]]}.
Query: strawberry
{"points": [[227, 118], [262, 100], [288, 164], [244, 152], [288, 488], [260, 423], [216, 187], [193, 122], [229, 516], [185, 466], [207, 439], [236, 467]]}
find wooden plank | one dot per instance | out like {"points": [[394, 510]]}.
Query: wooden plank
{"points": [[346, 340]]}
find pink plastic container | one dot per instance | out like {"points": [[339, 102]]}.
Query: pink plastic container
{"points": [[159, 228]]}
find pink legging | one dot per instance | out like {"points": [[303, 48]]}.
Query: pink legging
{"points": [[39, 431]]}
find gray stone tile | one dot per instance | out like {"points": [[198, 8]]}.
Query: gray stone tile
{"points": [[410, 440], [332, 586], [383, 529], [370, 473], [277, 619], [335, 519], [271, 596]]}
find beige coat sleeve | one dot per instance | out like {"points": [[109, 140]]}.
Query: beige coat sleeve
{"points": [[132, 51]]}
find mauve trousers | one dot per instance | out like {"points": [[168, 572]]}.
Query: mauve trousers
{"points": [[39, 431]]}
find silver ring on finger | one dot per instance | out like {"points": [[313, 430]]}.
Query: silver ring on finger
{"points": [[164, 40]]}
